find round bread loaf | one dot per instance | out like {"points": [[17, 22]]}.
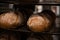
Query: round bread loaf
{"points": [[38, 23], [41, 22], [10, 20]]}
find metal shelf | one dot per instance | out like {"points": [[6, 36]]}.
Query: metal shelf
{"points": [[54, 31], [31, 3]]}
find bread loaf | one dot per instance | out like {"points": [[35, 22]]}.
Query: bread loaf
{"points": [[10, 20], [38, 23], [41, 22]]}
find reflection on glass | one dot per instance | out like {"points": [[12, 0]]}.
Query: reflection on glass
{"points": [[38, 8], [55, 9]]}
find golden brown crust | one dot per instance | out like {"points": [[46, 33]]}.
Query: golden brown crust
{"points": [[9, 20], [38, 23]]}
